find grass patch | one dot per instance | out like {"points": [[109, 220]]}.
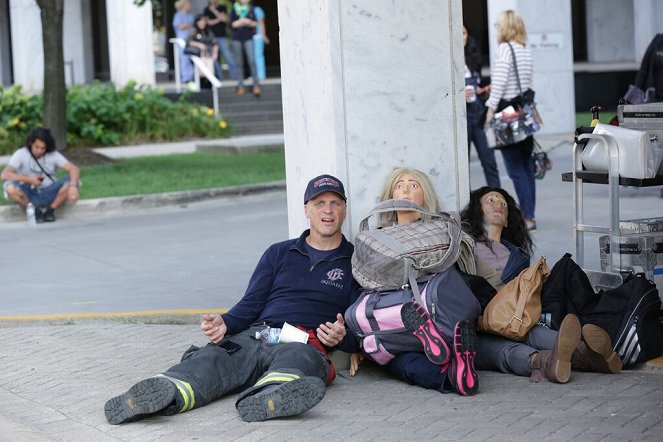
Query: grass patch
{"points": [[173, 173]]}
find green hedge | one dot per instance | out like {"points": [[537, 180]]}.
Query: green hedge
{"points": [[101, 115]]}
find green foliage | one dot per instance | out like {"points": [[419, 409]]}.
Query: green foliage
{"points": [[101, 115], [18, 114], [171, 173]]}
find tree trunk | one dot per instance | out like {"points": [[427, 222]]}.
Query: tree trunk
{"points": [[55, 94]]}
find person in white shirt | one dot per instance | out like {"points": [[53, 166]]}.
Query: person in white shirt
{"points": [[29, 177], [504, 89]]}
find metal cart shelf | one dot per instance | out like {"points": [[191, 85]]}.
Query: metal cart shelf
{"points": [[579, 177]]}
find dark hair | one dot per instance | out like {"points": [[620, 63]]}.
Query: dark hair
{"points": [[515, 230], [43, 134], [472, 55], [198, 18]]}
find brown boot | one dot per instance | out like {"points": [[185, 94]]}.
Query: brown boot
{"points": [[596, 354], [555, 364]]}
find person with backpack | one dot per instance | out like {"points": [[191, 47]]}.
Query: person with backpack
{"points": [[305, 282], [29, 177], [503, 249]]}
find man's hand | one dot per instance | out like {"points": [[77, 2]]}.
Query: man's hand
{"points": [[73, 194], [213, 327], [332, 334]]}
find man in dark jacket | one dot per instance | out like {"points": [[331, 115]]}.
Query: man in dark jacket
{"points": [[306, 282]]}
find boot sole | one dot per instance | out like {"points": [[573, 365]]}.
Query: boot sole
{"points": [[147, 397], [418, 322], [290, 399], [599, 342], [567, 341]]}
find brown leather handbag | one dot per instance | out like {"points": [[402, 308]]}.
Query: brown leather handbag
{"points": [[516, 307]]}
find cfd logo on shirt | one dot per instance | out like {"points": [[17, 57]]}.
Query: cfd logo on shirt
{"points": [[333, 276]]}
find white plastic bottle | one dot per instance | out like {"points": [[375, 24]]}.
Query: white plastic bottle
{"points": [[270, 335], [30, 213]]}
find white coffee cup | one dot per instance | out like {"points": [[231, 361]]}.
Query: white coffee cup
{"points": [[290, 333]]}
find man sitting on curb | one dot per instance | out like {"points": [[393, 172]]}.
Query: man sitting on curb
{"points": [[30, 176], [306, 282]]}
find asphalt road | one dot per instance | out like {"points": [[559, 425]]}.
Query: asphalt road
{"points": [[200, 256]]}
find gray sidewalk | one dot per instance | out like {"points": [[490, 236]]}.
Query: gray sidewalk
{"points": [[55, 380]]}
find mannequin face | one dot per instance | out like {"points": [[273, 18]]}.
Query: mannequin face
{"points": [[408, 188], [495, 209]]}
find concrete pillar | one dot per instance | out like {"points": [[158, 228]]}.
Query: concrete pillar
{"points": [[27, 46], [647, 19], [367, 86], [609, 30], [130, 42], [75, 42], [548, 24]]}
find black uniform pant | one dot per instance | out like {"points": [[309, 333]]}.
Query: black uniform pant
{"points": [[211, 372]]}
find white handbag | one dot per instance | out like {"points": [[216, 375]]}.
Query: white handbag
{"points": [[639, 155]]}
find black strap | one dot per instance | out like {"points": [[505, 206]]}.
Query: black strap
{"points": [[39, 164], [515, 68]]}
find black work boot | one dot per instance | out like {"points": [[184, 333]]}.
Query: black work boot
{"points": [[279, 394], [149, 396], [555, 364], [596, 353]]}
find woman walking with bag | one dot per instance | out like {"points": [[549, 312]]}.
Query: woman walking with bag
{"points": [[505, 81]]}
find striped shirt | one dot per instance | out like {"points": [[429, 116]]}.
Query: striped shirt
{"points": [[503, 78]]}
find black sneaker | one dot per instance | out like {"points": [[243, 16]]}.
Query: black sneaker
{"points": [[463, 375], [417, 320], [39, 214], [279, 400], [49, 215], [149, 396]]}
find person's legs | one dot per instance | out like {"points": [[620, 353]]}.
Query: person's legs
{"points": [[186, 66], [293, 382], [250, 59], [228, 56], [15, 193], [502, 354], [238, 52], [517, 159], [415, 369], [259, 55], [486, 155], [202, 376]]}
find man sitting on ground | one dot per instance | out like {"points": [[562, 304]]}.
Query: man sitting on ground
{"points": [[30, 176], [306, 282]]}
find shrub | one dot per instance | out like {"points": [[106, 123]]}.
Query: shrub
{"points": [[101, 115]]}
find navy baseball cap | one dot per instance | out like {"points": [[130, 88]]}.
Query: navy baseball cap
{"points": [[322, 184]]}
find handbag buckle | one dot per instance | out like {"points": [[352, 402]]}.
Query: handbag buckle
{"points": [[516, 318]]}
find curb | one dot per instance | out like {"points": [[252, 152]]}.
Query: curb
{"points": [[124, 204]]}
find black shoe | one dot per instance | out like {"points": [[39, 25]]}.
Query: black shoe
{"points": [[286, 399], [39, 214], [149, 396], [463, 375], [49, 215]]}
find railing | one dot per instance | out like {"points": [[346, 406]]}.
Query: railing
{"points": [[199, 66]]}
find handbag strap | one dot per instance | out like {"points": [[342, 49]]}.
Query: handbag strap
{"points": [[39, 164], [515, 67]]}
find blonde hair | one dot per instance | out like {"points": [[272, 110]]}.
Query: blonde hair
{"points": [[431, 203], [511, 28]]}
